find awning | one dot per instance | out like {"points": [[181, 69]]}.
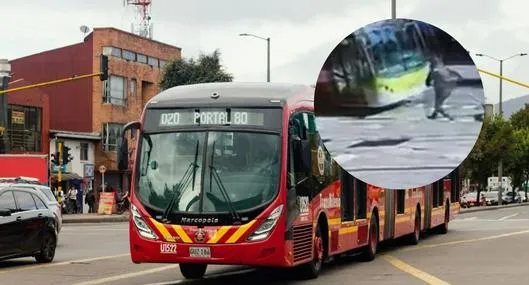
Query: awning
{"points": [[67, 176]]}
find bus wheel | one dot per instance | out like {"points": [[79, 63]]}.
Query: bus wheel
{"points": [[312, 269], [193, 271], [443, 229], [415, 236], [370, 251]]}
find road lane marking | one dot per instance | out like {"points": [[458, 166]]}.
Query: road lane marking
{"points": [[491, 220], [39, 266], [466, 240], [428, 278], [507, 217], [127, 275]]}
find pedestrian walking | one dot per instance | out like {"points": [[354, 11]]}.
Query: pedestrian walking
{"points": [[444, 80], [90, 200], [72, 199], [79, 200]]}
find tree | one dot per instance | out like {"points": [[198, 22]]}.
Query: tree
{"points": [[206, 68], [495, 142], [519, 164]]}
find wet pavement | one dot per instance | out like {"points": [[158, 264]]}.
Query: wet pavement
{"points": [[401, 148]]}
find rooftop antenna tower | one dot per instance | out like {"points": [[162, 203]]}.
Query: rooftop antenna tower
{"points": [[142, 26]]}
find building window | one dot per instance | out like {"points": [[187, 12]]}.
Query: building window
{"points": [[153, 61], [116, 52], [111, 135], [24, 128], [83, 151], [129, 55], [114, 90], [141, 58], [132, 87], [163, 63]]}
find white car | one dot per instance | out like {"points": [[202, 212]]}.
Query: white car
{"points": [[50, 198]]}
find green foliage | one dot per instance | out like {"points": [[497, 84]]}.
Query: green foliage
{"points": [[207, 68], [501, 139]]}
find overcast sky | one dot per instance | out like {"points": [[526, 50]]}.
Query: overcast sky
{"points": [[302, 34]]}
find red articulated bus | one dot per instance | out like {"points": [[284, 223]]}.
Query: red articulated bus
{"points": [[236, 174]]}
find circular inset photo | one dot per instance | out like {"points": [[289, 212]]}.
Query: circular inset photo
{"points": [[399, 103]]}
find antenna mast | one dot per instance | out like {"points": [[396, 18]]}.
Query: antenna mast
{"points": [[143, 27]]}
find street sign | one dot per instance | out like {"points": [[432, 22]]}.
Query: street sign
{"points": [[55, 168], [88, 170], [102, 169]]}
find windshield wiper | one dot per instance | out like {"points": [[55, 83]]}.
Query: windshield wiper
{"points": [[213, 172], [190, 172]]}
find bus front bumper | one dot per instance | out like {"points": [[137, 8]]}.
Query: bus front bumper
{"points": [[271, 252]]}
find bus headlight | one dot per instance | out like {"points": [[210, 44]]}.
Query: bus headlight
{"points": [[143, 228], [267, 225]]}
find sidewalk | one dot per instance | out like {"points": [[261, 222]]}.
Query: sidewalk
{"points": [[490, 208], [94, 218]]}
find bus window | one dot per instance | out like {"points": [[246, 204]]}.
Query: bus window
{"points": [[347, 197], [441, 186], [435, 195], [454, 183], [298, 152], [401, 199], [360, 199]]}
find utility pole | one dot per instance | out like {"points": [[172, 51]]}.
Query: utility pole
{"points": [[5, 70], [59, 173], [393, 9], [500, 162]]}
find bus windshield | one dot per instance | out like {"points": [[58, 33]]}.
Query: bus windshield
{"points": [[234, 170], [395, 50]]}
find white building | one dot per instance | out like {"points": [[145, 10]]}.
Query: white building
{"points": [[82, 149]]}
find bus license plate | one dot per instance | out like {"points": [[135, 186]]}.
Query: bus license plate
{"points": [[202, 252]]}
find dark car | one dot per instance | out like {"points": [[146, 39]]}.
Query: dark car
{"points": [[27, 225]]}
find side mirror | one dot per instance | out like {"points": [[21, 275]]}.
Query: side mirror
{"points": [[5, 212], [123, 149]]}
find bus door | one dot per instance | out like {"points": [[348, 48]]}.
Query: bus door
{"points": [[299, 193], [389, 214], [427, 206]]}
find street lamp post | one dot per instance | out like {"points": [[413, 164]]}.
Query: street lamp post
{"points": [[5, 71], [500, 163], [267, 52]]}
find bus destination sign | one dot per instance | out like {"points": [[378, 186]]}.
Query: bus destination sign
{"points": [[175, 118]]}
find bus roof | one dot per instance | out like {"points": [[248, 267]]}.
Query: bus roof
{"points": [[232, 94]]}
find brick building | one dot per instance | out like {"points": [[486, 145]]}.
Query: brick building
{"points": [[89, 105]]}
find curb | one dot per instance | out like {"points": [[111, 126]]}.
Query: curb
{"points": [[491, 208], [102, 219]]}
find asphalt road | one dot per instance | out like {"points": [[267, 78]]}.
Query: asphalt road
{"points": [[485, 248], [401, 148]]}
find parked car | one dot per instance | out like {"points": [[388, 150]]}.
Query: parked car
{"points": [[469, 200], [50, 199], [27, 225], [522, 195], [511, 197], [491, 197]]}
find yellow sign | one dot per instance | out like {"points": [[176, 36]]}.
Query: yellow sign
{"points": [[106, 202], [2, 131], [17, 117]]}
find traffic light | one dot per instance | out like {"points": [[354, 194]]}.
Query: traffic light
{"points": [[103, 68], [66, 157], [55, 158]]}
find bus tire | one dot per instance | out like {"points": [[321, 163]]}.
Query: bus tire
{"points": [[193, 271], [443, 229], [414, 237], [369, 252], [312, 269]]}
